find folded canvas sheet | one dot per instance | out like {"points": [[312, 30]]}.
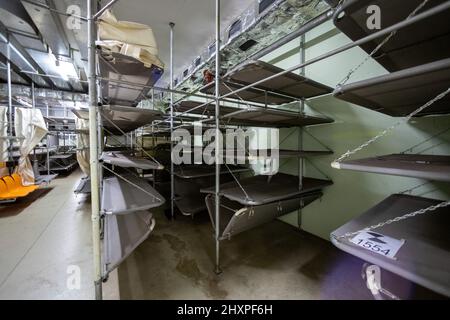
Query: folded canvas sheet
{"points": [[83, 145], [29, 125], [128, 38]]}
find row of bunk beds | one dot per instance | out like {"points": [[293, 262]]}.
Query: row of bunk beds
{"points": [[249, 202], [127, 196], [60, 159], [404, 234], [137, 179]]}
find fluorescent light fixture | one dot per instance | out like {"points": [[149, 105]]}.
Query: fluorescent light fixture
{"points": [[67, 70], [64, 68]]}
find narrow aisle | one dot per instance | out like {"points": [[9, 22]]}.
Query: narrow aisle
{"points": [[40, 244]]}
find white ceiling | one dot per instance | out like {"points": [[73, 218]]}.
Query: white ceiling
{"points": [[194, 19]]}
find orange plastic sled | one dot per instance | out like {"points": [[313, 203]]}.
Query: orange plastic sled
{"points": [[11, 187]]}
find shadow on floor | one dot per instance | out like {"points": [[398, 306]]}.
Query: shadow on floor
{"points": [[274, 261], [15, 208]]}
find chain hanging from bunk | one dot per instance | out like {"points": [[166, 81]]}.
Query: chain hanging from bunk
{"points": [[398, 219], [379, 46], [336, 163], [247, 154]]}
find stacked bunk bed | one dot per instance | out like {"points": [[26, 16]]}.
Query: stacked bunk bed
{"points": [[127, 72], [406, 235], [126, 196], [248, 202]]}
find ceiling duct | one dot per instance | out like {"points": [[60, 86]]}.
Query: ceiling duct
{"points": [[48, 95], [261, 25]]}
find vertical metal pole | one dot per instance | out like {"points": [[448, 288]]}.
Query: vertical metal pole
{"points": [[218, 140], [48, 150], [10, 111], [33, 105], [172, 177], [93, 144], [153, 98], [33, 97], [300, 134]]}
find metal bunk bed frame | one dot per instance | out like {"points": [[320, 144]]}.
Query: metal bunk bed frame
{"points": [[93, 109], [93, 14], [47, 178]]}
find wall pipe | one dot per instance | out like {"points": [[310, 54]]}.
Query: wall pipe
{"points": [[106, 7], [307, 26], [395, 27]]}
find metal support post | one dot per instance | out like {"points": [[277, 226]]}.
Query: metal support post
{"points": [[10, 112], [172, 177], [93, 144], [218, 140], [300, 133]]}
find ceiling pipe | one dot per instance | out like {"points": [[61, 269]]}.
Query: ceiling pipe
{"points": [[308, 26], [106, 7]]}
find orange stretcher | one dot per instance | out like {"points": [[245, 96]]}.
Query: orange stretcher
{"points": [[11, 187]]}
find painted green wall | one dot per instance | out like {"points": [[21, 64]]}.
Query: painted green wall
{"points": [[352, 192]]}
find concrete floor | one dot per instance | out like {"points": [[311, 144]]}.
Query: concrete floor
{"points": [[42, 235]]}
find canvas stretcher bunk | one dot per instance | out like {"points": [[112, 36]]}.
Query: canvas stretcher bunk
{"points": [[424, 256], [119, 67], [128, 161], [400, 93], [122, 235], [272, 118], [262, 154], [118, 119], [420, 43], [260, 190], [128, 52], [201, 171], [60, 166], [84, 186], [66, 156], [189, 180], [126, 197], [252, 116], [82, 114], [61, 163], [284, 89], [236, 218], [428, 167]]}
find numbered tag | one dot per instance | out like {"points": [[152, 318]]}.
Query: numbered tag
{"points": [[378, 243]]}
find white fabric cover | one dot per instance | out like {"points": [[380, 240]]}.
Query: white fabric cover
{"points": [[29, 125], [128, 38], [83, 146], [4, 143]]}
